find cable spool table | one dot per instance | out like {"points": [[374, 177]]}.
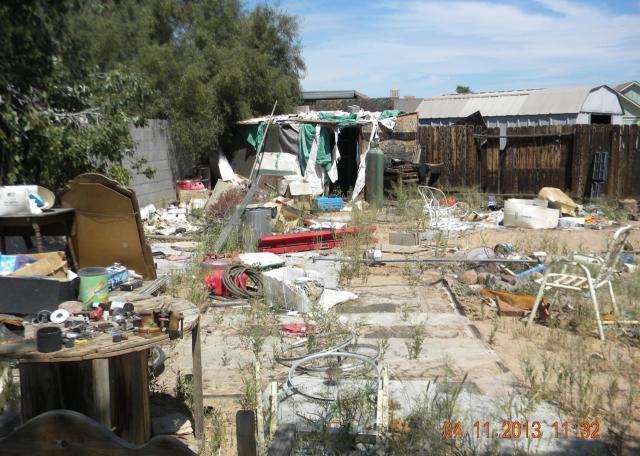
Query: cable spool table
{"points": [[106, 381]]}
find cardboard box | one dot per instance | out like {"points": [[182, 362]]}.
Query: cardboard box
{"points": [[49, 264], [185, 196]]}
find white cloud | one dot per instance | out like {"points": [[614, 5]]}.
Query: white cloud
{"points": [[427, 47]]}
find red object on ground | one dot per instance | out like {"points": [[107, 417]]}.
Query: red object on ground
{"points": [[216, 286], [448, 202], [297, 329], [309, 240], [189, 185]]}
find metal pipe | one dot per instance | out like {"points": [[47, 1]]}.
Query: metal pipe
{"points": [[434, 260]]}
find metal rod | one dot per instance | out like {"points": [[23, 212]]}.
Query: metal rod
{"points": [[153, 286], [434, 260], [259, 154], [254, 182], [542, 135]]}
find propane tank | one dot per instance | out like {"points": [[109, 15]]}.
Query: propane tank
{"points": [[374, 182]]}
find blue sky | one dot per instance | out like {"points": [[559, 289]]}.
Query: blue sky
{"points": [[426, 48]]}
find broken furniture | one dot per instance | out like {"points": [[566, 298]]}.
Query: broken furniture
{"points": [[399, 172], [55, 222], [583, 281], [108, 228], [67, 432], [443, 212]]}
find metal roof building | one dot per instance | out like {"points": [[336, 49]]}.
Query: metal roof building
{"points": [[521, 108], [331, 95]]}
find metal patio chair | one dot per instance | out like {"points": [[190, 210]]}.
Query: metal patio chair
{"points": [[436, 207], [583, 281]]}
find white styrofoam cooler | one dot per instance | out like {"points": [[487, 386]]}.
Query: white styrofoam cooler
{"points": [[530, 214]]}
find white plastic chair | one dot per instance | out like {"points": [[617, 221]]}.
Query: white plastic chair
{"points": [[441, 214], [584, 281]]}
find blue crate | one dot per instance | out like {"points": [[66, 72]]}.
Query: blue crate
{"points": [[329, 203]]}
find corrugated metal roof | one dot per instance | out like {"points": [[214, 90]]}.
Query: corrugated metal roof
{"points": [[332, 95], [439, 108], [555, 101], [624, 85], [509, 103], [498, 105], [407, 104]]}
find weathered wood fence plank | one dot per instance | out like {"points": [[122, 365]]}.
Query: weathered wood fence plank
{"points": [[559, 156]]}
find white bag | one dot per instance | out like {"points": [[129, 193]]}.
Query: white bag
{"points": [[14, 200]]}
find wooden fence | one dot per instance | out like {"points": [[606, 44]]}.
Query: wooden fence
{"points": [[559, 156]]}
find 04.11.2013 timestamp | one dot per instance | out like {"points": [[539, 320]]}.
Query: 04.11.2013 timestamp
{"points": [[508, 429]]}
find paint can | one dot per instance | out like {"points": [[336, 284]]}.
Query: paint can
{"points": [[94, 286]]}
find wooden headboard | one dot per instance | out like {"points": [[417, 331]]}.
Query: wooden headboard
{"points": [[69, 433]]}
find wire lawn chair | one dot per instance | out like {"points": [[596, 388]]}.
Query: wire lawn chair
{"points": [[584, 281], [440, 209]]}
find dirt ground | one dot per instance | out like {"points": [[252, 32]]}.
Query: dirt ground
{"points": [[499, 352], [523, 350]]}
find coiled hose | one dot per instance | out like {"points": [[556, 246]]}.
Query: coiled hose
{"points": [[231, 281]]}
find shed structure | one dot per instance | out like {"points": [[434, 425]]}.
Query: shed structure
{"points": [[526, 108], [629, 93]]}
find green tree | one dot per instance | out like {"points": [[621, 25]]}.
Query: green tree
{"points": [[58, 116], [463, 89], [210, 63]]}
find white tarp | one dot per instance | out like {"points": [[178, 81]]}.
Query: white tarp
{"points": [[314, 174], [362, 167]]}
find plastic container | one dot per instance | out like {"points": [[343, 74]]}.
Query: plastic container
{"points": [[49, 339], [329, 203], [94, 286], [530, 214]]}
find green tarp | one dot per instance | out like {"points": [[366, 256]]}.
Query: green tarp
{"points": [[343, 121], [254, 137], [390, 113], [306, 135]]}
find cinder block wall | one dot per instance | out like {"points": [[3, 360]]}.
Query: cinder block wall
{"points": [[154, 142]]}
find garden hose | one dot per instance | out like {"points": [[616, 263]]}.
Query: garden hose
{"points": [[231, 281]]}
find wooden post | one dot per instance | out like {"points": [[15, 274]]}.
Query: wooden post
{"points": [[382, 409], [101, 392], [198, 405], [385, 398], [246, 433], [379, 435], [129, 378], [273, 420], [259, 410]]}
